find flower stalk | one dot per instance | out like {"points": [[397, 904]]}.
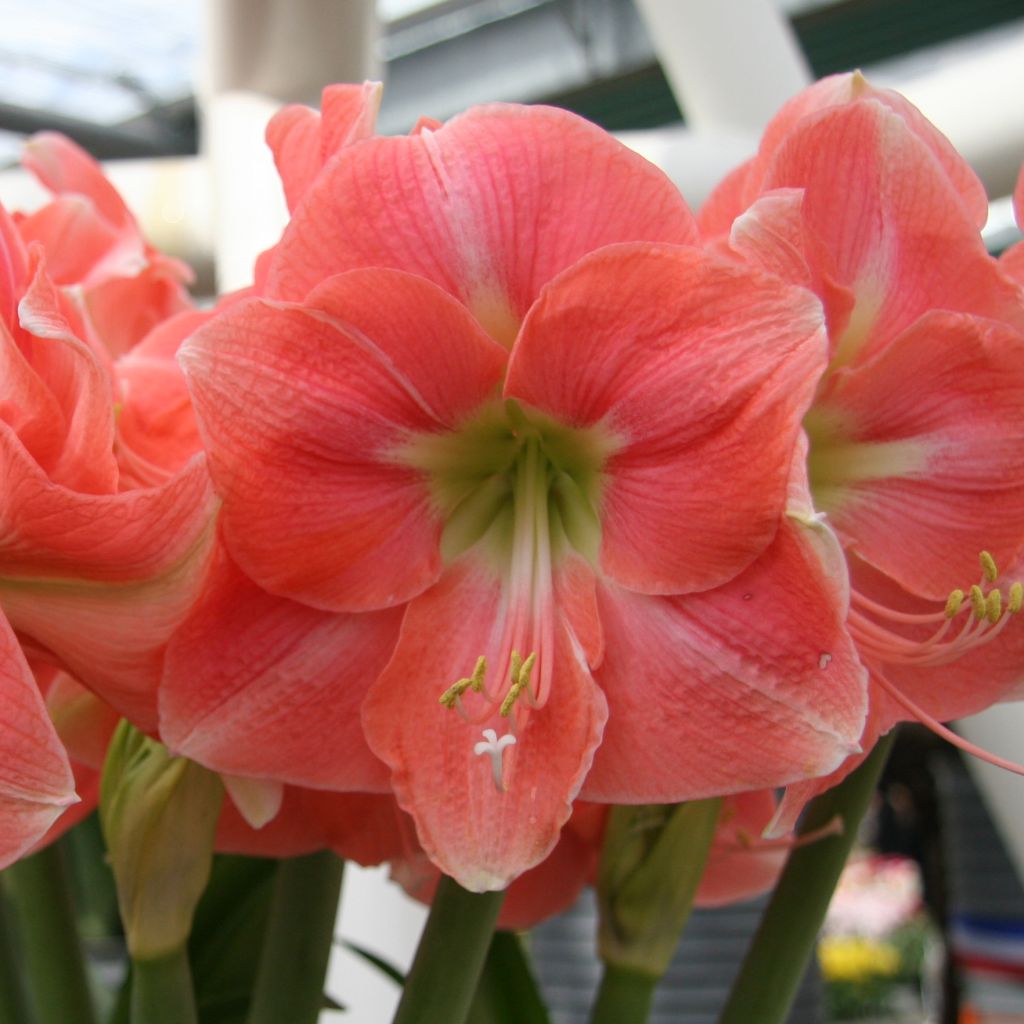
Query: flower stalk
{"points": [[290, 982], [782, 946], [444, 975], [40, 892]]}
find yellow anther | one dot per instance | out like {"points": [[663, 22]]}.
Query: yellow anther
{"points": [[519, 673], [475, 683], [988, 566], [978, 602], [1016, 598], [994, 606], [953, 602]]}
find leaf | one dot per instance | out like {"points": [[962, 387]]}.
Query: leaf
{"points": [[507, 992], [380, 963]]}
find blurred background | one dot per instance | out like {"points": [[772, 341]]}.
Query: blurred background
{"points": [[173, 97]]}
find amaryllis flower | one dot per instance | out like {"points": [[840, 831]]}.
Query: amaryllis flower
{"points": [[506, 457], [35, 777], [98, 562], [121, 285], [915, 455]]}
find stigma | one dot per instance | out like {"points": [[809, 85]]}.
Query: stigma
{"points": [[970, 618], [494, 747]]}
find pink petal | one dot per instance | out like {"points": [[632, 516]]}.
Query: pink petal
{"points": [[845, 89], [490, 207], [365, 827], [480, 836], [79, 381], [260, 686], [303, 140], [751, 685], [103, 580], [921, 472], [680, 360], [893, 226], [157, 432], [65, 169], [303, 410], [738, 867], [35, 777]]}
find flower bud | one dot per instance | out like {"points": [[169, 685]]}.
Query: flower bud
{"points": [[651, 865], [159, 815]]}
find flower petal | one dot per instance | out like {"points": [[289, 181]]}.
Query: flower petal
{"points": [[681, 360], [490, 207], [35, 777], [102, 581], [261, 686], [303, 409], [917, 462], [891, 224], [751, 685], [479, 835]]}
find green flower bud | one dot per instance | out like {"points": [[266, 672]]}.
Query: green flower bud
{"points": [[651, 865], [159, 815]]}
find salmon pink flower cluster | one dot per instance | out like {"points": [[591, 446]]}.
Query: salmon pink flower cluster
{"points": [[511, 489]]}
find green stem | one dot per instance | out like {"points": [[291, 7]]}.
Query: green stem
{"points": [[624, 995], [40, 891], [162, 990], [451, 953], [785, 939], [14, 1005], [290, 982]]}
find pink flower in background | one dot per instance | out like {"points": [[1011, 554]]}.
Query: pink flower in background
{"points": [[105, 535], [121, 285], [506, 458], [915, 454]]}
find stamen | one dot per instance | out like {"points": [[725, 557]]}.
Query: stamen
{"points": [[993, 606], [520, 676], [759, 844], [475, 683], [988, 566], [495, 749], [947, 734], [881, 632]]}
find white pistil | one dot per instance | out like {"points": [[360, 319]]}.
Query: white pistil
{"points": [[495, 749]]}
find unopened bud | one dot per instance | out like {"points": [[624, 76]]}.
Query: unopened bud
{"points": [[159, 815], [651, 865]]}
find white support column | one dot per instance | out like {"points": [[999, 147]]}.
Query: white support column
{"points": [[731, 63], [260, 54]]}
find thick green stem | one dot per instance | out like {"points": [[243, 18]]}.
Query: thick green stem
{"points": [[162, 990], [785, 939], [55, 967], [14, 1005], [624, 995], [451, 954], [290, 983]]}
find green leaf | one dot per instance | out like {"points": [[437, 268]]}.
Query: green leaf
{"points": [[227, 936], [379, 962], [507, 992]]}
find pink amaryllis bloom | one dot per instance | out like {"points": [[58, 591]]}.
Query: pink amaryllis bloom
{"points": [[506, 457], [35, 777], [121, 285], [102, 550], [915, 457]]}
